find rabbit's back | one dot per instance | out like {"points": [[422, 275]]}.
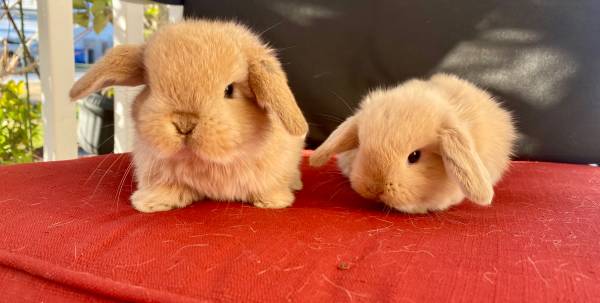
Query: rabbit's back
{"points": [[490, 125]]}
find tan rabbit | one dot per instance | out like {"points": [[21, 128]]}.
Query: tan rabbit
{"points": [[424, 145], [216, 118]]}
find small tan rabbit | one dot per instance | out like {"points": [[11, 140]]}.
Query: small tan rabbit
{"points": [[216, 118], [424, 145]]}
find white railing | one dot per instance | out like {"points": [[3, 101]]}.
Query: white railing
{"points": [[57, 72]]}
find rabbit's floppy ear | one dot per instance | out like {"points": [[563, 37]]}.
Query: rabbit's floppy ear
{"points": [[343, 138], [463, 164], [269, 84], [122, 65]]}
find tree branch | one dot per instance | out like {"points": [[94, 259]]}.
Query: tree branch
{"points": [[10, 7], [20, 34], [27, 69]]}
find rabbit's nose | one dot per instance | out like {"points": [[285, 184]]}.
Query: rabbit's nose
{"points": [[389, 187], [375, 190], [184, 123]]}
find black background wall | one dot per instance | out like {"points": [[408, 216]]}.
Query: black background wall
{"points": [[539, 57]]}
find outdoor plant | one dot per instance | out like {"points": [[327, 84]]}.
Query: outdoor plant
{"points": [[151, 17], [99, 14], [98, 11], [20, 131], [20, 125]]}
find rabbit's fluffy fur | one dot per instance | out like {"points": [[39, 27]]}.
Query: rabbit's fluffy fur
{"points": [[195, 136], [464, 137]]}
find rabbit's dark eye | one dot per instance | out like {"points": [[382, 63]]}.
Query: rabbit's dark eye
{"points": [[229, 91], [414, 157]]}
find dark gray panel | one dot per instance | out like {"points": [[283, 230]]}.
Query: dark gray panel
{"points": [[540, 57]]}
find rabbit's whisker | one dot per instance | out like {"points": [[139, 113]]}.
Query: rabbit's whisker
{"points": [[118, 158]]}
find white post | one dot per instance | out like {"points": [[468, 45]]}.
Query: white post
{"points": [[128, 23], [173, 13], [57, 72]]}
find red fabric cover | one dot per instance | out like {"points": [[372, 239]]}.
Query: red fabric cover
{"points": [[68, 234]]}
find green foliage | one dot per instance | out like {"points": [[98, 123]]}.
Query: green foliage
{"points": [[20, 124], [99, 11], [152, 12], [109, 93], [151, 18]]}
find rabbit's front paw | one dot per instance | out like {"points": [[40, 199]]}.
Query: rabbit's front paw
{"points": [[162, 198], [296, 183], [276, 199]]}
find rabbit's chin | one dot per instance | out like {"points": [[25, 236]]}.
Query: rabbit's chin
{"points": [[188, 153], [179, 151], [437, 203], [416, 207], [409, 205]]}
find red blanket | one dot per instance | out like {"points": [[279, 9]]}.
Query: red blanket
{"points": [[68, 233]]}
